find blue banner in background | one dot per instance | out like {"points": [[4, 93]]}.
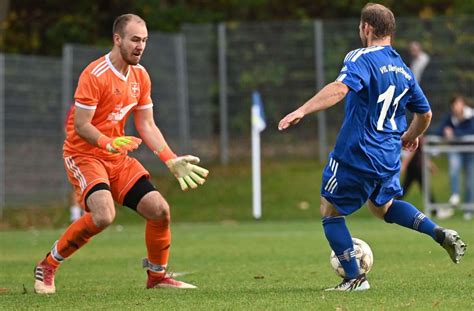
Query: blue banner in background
{"points": [[258, 116]]}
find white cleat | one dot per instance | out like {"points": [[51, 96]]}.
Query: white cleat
{"points": [[349, 285], [468, 216], [444, 213], [453, 244], [44, 278], [166, 282], [454, 200]]}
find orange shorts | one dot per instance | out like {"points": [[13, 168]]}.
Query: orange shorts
{"points": [[84, 172]]}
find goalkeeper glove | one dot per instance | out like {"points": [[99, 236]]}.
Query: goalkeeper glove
{"points": [[121, 144], [184, 168]]}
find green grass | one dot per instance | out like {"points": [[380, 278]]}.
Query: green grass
{"points": [[279, 263], [241, 266]]}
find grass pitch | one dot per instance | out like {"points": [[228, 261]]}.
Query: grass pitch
{"points": [[241, 266], [281, 263]]}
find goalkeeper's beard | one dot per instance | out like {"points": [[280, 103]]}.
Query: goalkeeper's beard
{"points": [[129, 58]]}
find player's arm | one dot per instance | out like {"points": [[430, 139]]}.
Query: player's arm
{"points": [[327, 97], [149, 132], [87, 96], [84, 128], [418, 126], [184, 168]]}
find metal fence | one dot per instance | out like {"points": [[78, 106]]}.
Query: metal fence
{"points": [[203, 78], [433, 146], [278, 59], [31, 129]]}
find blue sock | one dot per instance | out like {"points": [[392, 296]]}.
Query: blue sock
{"points": [[340, 241], [407, 215]]}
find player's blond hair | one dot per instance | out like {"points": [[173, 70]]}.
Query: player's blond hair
{"points": [[122, 21], [380, 18]]}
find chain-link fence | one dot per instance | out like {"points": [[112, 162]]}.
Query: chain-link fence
{"points": [[202, 80], [278, 59], [32, 129]]}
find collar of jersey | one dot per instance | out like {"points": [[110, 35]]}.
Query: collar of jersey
{"points": [[114, 70]]}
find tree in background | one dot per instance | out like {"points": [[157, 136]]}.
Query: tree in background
{"points": [[4, 5], [42, 27]]}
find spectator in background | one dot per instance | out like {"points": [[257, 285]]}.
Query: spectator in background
{"points": [[412, 170], [458, 123], [412, 165], [419, 60], [74, 209]]}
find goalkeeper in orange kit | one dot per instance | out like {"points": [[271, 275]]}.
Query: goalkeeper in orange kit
{"points": [[97, 164]]}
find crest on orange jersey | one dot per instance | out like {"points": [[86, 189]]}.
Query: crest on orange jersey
{"points": [[135, 89]]}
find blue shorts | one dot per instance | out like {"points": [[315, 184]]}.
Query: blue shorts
{"points": [[348, 189]]}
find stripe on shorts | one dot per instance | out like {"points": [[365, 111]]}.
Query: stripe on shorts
{"points": [[332, 182], [71, 165]]}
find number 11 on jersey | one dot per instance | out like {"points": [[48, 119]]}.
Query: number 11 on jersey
{"points": [[387, 97]]}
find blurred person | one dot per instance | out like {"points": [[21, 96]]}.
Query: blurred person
{"points": [[412, 169], [459, 122], [365, 163], [97, 164], [419, 60], [75, 210], [411, 166]]}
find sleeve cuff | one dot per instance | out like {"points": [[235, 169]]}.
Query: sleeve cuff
{"points": [[143, 107], [77, 104]]}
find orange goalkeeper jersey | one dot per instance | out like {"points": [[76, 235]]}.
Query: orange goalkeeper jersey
{"points": [[113, 96]]}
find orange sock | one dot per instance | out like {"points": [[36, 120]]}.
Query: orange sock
{"points": [[75, 236], [158, 240]]}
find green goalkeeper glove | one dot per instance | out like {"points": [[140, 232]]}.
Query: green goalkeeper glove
{"points": [[122, 144], [187, 172]]}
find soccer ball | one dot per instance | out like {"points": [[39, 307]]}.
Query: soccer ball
{"points": [[364, 257]]}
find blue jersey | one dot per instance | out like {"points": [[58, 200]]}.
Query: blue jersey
{"points": [[381, 88]]}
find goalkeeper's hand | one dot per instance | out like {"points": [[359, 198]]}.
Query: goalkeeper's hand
{"points": [[122, 144], [184, 168]]}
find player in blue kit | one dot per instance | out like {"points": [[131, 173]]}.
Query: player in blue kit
{"points": [[365, 163]]}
